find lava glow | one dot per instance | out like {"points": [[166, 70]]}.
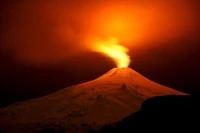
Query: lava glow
{"points": [[112, 49]]}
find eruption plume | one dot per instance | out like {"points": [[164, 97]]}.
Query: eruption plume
{"points": [[113, 49], [45, 33]]}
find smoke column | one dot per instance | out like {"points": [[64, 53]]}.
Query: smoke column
{"points": [[48, 32]]}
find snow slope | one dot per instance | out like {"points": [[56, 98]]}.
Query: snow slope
{"points": [[107, 99]]}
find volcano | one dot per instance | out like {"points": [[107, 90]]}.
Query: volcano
{"points": [[79, 108]]}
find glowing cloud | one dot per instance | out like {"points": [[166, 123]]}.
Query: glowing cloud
{"points": [[57, 30], [111, 48]]}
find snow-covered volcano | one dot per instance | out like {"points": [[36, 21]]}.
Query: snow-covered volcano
{"points": [[107, 99]]}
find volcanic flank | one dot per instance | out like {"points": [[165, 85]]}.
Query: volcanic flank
{"points": [[79, 108]]}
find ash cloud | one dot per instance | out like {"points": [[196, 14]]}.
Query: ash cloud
{"points": [[49, 32]]}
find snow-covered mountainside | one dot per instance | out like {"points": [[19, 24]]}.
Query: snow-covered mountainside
{"points": [[107, 99]]}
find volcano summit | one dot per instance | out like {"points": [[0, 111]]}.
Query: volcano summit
{"points": [[79, 108]]}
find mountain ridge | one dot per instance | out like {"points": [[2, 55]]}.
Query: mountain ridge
{"points": [[104, 100]]}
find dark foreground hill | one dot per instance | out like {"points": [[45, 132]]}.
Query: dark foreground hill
{"points": [[162, 113]]}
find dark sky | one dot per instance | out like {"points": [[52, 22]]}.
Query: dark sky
{"points": [[43, 47]]}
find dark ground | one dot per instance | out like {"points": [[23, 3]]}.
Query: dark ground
{"points": [[159, 114]]}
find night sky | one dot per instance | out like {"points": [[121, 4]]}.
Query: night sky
{"points": [[43, 48]]}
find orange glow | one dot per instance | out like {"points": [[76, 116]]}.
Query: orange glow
{"points": [[117, 20], [59, 30], [112, 49]]}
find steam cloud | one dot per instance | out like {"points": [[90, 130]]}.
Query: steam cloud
{"points": [[48, 32]]}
